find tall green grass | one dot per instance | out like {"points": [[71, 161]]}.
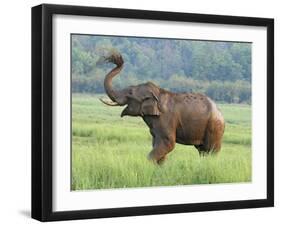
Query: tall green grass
{"points": [[111, 152]]}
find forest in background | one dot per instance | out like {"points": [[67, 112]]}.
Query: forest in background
{"points": [[221, 70]]}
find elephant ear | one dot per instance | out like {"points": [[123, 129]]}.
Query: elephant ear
{"points": [[150, 105]]}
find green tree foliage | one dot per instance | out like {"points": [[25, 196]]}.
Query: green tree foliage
{"points": [[222, 70]]}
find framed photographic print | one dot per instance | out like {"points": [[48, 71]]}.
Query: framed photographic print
{"points": [[145, 112]]}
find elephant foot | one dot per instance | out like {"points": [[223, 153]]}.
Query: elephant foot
{"points": [[201, 150], [160, 151], [156, 159], [203, 153], [161, 161]]}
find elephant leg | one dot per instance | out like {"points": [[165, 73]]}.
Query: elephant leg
{"points": [[161, 147]]}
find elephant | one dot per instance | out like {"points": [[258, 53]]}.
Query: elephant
{"points": [[185, 118]]}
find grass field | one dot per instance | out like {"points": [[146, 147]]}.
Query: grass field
{"points": [[110, 152]]}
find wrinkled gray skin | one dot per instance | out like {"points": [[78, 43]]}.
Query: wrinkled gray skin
{"points": [[185, 118]]}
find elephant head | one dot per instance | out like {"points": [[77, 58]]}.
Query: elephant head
{"points": [[141, 100]]}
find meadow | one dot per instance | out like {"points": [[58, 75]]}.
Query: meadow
{"points": [[111, 152]]}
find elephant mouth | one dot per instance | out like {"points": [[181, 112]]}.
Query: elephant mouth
{"points": [[124, 112], [112, 103], [130, 111]]}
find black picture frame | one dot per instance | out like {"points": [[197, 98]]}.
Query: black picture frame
{"points": [[42, 107]]}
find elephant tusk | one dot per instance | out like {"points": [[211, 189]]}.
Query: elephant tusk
{"points": [[109, 102]]}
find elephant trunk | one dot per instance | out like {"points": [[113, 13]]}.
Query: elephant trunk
{"points": [[117, 59]]}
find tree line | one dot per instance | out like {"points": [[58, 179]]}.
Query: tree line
{"points": [[221, 70]]}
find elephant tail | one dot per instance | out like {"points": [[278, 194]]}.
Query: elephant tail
{"points": [[215, 131]]}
